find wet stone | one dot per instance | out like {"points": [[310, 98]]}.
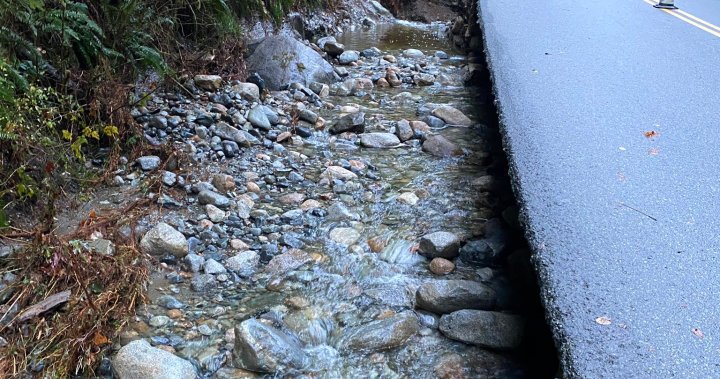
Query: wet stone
{"points": [[354, 122], [451, 116], [169, 302], [244, 264], [446, 296], [404, 131], [440, 244], [441, 266], [286, 262], [262, 348], [492, 330], [382, 334], [379, 140], [344, 236], [440, 146], [203, 282]]}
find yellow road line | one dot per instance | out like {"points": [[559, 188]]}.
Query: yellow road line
{"points": [[687, 17]]}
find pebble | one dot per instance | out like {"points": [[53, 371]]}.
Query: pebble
{"points": [[441, 266]]}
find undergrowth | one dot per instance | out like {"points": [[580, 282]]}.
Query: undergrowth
{"points": [[69, 74]]}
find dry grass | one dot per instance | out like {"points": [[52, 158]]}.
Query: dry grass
{"points": [[104, 293]]}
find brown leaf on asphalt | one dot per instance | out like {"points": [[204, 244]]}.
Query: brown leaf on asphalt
{"points": [[651, 134], [698, 333], [603, 320]]}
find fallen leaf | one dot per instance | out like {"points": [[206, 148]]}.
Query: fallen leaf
{"points": [[698, 333], [100, 339], [603, 320], [651, 134]]}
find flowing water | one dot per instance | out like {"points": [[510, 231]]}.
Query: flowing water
{"points": [[375, 277]]}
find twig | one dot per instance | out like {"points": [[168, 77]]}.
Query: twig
{"points": [[639, 211]]}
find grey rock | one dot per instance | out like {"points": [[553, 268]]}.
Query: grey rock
{"points": [[333, 48], [439, 146], [281, 60], [101, 246], [339, 212], [344, 236], [230, 133], [164, 239], [440, 244], [169, 178], [159, 122], [323, 40], [308, 115], [354, 122], [202, 282], [262, 348], [433, 122], [446, 296], [288, 261], [244, 264], [451, 116], [348, 57], [413, 53], [259, 119], [194, 262], [492, 330], [441, 55], [212, 266], [382, 334], [139, 360], [320, 89], [214, 213], [371, 52], [214, 198], [478, 252], [169, 302], [247, 91], [404, 131], [208, 82], [158, 321], [379, 140], [149, 162], [424, 79]]}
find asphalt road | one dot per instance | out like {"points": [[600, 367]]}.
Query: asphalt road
{"points": [[611, 117]]}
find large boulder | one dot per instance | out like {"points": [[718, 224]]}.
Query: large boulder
{"points": [[281, 60], [446, 296], [381, 334], [163, 239], [491, 330], [262, 348], [139, 360]]}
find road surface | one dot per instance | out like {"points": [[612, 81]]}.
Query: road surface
{"points": [[611, 117]]}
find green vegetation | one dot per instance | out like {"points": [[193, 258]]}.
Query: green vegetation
{"points": [[66, 69]]}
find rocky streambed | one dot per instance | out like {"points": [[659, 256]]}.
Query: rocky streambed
{"points": [[363, 228]]}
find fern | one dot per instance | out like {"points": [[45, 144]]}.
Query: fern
{"points": [[7, 136]]}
